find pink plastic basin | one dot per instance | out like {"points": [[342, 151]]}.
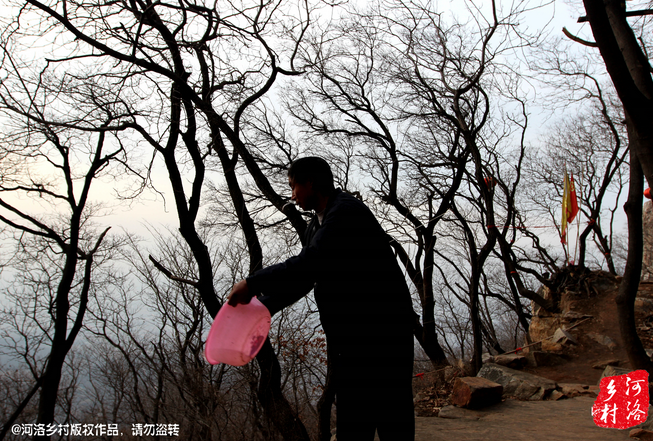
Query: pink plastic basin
{"points": [[237, 334]]}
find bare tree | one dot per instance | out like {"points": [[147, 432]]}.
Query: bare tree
{"points": [[625, 55], [51, 157]]}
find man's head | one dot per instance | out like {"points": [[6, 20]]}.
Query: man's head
{"points": [[311, 181]]}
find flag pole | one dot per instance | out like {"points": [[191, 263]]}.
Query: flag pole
{"points": [[577, 248], [564, 226]]}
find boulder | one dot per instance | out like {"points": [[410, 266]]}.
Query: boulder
{"points": [[603, 340], [518, 384], [513, 361], [475, 392]]}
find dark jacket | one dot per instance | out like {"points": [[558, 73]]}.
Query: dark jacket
{"points": [[360, 289]]}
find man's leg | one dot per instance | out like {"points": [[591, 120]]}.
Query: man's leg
{"points": [[395, 413], [374, 391], [394, 408], [355, 419]]}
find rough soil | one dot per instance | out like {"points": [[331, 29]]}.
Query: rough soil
{"points": [[512, 420], [566, 419]]}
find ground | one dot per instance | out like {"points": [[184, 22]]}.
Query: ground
{"points": [[563, 420]]}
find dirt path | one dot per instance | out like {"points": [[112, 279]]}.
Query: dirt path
{"points": [[568, 419]]}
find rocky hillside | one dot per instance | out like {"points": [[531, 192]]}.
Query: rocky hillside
{"points": [[592, 340], [572, 347]]}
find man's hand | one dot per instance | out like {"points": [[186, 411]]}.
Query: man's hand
{"points": [[239, 294]]}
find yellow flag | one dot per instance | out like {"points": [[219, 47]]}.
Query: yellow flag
{"points": [[569, 205]]}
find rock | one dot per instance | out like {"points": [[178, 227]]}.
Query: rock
{"points": [[556, 395], [513, 361], [563, 337], [487, 358], [605, 363], [559, 341], [611, 371], [475, 392], [603, 340], [571, 390], [641, 434], [541, 358], [521, 385], [453, 412]]}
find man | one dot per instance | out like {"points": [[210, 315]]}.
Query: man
{"points": [[364, 305]]}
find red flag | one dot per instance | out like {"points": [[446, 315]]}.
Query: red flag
{"points": [[569, 205], [574, 201]]}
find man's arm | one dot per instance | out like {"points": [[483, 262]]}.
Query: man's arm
{"points": [[284, 283]]}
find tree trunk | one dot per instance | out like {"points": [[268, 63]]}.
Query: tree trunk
{"points": [[59, 349], [632, 273], [271, 397], [425, 334], [629, 70]]}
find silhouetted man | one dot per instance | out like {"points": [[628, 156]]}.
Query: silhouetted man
{"points": [[364, 305]]}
